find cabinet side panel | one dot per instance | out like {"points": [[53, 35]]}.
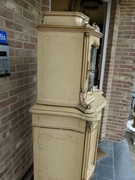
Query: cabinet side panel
{"points": [[58, 154], [59, 67]]}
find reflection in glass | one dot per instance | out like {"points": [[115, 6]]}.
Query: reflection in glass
{"points": [[92, 67]]}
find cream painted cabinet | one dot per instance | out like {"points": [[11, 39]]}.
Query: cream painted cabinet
{"points": [[66, 117]]}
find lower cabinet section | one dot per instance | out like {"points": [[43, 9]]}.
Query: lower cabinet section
{"points": [[65, 144]]}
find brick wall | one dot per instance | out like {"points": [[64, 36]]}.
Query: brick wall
{"points": [[118, 80], [18, 91]]}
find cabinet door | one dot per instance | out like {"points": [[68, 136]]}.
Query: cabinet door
{"points": [[58, 154], [90, 150]]}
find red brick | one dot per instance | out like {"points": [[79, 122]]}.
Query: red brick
{"points": [[16, 105], [3, 178], [33, 66], [30, 73], [11, 51], [13, 129], [8, 160], [16, 91], [29, 46], [21, 36], [9, 117], [45, 9], [4, 111], [24, 81], [16, 44], [22, 67], [33, 25], [16, 158], [22, 20], [5, 141], [10, 176], [1, 22], [4, 127], [28, 30], [32, 52], [10, 171], [28, 15], [3, 95], [33, 39], [29, 86], [12, 6], [23, 108], [22, 4], [15, 120], [34, 11], [6, 13], [17, 75], [21, 52], [31, 2], [12, 69], [29, 59], [45, 2], [14, 26]]}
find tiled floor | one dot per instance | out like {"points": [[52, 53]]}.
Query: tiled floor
{"points": [[117, 164]]}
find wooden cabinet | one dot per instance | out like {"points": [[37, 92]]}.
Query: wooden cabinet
{"points": [[66, 117]]}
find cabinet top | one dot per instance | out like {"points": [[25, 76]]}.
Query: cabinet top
{"points": [[65, 18], [68, 21]]}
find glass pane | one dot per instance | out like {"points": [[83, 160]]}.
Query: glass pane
{"points": [[92, 67]]}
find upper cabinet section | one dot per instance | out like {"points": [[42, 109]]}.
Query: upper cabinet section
{"points": [[67, 47]]}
